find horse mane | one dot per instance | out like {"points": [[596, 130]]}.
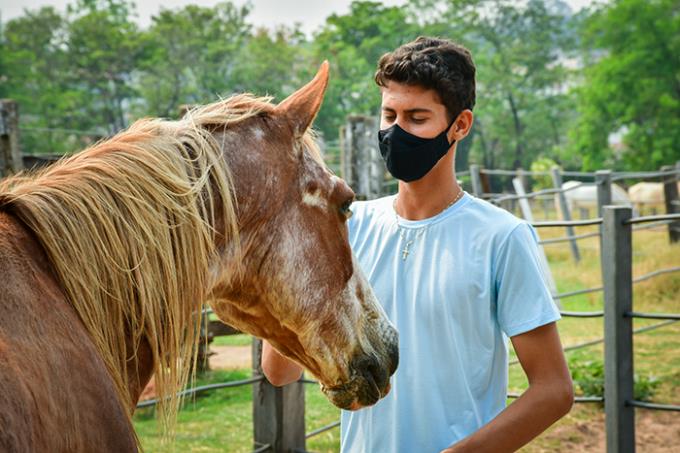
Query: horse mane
{"points": [[129, 227]]}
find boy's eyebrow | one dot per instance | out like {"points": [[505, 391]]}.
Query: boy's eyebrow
{"points": [[409, 111]]}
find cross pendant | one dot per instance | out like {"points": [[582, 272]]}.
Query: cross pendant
{"points": [[405, 252]]}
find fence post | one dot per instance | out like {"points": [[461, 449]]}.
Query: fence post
{"points": [[362, 165], [603, 183], [203, 353], [566, 214], [670, 193], [278, 412], [525, 207], [524, 178], [345, 155], [10, 153], [476, 180], [618, 330]]}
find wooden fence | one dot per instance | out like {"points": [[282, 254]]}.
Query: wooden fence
{"points": [[278, 413], [10, 153]]}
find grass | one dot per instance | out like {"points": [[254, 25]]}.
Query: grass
{"points": [[218, 422], [222, 421], [233, 340]]}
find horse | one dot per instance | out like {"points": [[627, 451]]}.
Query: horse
{"points": [[648, 196], [584, 198], [108, 258]]}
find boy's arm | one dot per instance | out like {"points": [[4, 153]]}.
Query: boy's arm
{"points": [[549, 397], [278, 369]]}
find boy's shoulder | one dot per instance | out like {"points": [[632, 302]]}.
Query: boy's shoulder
{"points": [[475, 214], [484, 209], [372, 210], [490, 219]]}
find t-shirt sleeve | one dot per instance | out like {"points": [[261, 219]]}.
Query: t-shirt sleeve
{"points": [[523, 300]]}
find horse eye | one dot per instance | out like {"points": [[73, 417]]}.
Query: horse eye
{"points": [[345, 209]]}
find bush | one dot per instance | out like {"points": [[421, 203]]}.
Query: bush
{"points": [[542, 164], [588, 377]]}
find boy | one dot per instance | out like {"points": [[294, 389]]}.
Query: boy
{"points": [[456, 275]]}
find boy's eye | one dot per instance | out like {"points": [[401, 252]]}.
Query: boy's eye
{"points": [[419, 120]]}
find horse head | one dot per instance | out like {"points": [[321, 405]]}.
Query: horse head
{"points": [[292, 278]]}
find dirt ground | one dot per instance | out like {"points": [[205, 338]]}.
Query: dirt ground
{"points": [[223, 358], [230, 357], [655, 432], [582, 431]]}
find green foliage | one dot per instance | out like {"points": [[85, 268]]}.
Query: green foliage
{"points": [[273, 62], [35, 75], [588, 377], [192, 56], [542, 164], [645, 387], [92, 69], [519, 52], [353, 43], [631, 86], [3, 63], [103, 52]]}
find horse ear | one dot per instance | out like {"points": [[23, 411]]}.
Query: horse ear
{"points": [[301, 107]]}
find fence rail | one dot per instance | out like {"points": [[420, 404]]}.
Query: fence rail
{"points": [[582, 314], [278, 420], [617, 244], [669, 316], [204, 388], [568, 238], [654, 406], [559, 223], [614, 379]]}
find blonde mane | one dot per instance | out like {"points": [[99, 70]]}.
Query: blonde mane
{"points": [[129, 227]]}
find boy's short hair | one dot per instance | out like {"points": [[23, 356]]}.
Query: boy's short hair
{"points": [[435, 63]]}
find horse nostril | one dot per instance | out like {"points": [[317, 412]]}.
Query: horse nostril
{"points": [[373, 372], [394, 357], [391, 338]]}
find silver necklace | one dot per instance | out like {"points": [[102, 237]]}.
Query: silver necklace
{"points": [[402, 234]]}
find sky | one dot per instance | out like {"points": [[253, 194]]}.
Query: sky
{"points": [[311, 14]]}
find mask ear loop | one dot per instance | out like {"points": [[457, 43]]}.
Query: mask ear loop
{"points": [[446, 132]]}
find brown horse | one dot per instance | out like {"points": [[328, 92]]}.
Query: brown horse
{"points": [[107, 257]]}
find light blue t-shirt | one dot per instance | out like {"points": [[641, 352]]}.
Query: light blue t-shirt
{"points": [[469, 279]]}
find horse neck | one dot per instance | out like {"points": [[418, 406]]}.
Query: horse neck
{"points": [[140, 369]]}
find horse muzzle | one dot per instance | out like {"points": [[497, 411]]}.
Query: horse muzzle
{"points": [[370, 378]]}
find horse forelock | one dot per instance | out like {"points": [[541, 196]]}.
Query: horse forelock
{"points": [[129, 227], [241, 107]]}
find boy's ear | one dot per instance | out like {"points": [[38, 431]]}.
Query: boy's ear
{"points": [[461, 126]]}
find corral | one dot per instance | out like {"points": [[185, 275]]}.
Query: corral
{"points": [[279, 414]]}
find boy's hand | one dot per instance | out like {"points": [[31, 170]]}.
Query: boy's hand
{"points": [[278, 370]]}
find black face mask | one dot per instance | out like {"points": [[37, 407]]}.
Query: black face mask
{"points": [[409, 157]]}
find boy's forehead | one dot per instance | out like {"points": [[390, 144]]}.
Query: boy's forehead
{"points": [[399, 96]]}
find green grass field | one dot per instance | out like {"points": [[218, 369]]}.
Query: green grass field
{"points": [[222, 421]]}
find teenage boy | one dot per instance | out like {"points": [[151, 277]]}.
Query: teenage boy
{"points": [[456, 275]]}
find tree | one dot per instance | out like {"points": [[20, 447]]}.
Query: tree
{"points": [[103, 53], [192, 56], [631, 86], [3, 63], [519, 49], [273, 62], [34, 74], [353, 43]]}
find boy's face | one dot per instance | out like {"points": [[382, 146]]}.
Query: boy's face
{"points": [[417, 110]]}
